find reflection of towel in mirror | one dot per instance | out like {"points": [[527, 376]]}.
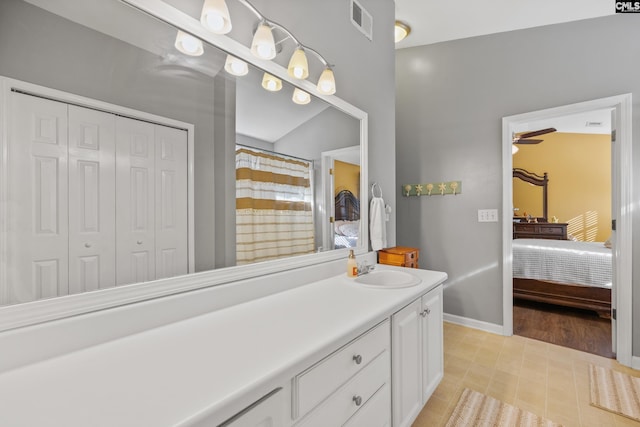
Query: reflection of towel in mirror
{"points": [[377, 226]]}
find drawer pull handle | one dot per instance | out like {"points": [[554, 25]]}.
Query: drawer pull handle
{"points": [[357, 400], [139, 242], [358, 359], [87, 245]]}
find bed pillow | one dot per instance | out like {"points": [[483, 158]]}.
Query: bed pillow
{"points": [[350, 228]]}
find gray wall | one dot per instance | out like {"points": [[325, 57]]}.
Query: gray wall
{"points": [[451, 98]]}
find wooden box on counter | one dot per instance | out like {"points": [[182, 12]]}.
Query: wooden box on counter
{"points": [[400, 256]]}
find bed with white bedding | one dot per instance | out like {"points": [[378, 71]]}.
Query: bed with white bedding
{"points": [[563, 272]]}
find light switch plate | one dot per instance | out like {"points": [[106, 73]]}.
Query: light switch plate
{"points": [[487, 215]]}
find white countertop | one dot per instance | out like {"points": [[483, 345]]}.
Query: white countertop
{"points": [[166, 375]]}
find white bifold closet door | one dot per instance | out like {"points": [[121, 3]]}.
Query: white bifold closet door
{"points": [[151, 188], [37, 199], [95, 200]]}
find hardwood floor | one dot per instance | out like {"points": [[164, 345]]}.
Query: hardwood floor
{"points": [[569, 327]]}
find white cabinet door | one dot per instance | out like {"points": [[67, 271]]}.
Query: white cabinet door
{"points": [[37, 205], [92, 231], [135, 208], [406, 364], [432, 345], [171, 202]]}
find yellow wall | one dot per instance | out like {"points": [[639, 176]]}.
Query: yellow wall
{"points": [[346, 176], [579, 170]]}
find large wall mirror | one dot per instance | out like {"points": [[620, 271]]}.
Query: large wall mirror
{"points": [[131, 170]]}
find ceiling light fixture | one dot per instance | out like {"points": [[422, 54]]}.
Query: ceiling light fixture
{"points": [[327, 82], [236, 66], [298, 64], [271, 83], [402, 30], [263, 45], [188, 44], [301, 97], [215, 16]]}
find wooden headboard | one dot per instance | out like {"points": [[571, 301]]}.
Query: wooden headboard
{"points": [[542, 181], [347, 206]]}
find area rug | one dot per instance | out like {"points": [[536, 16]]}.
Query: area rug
{"points": [[477, 409], [615, 391]]}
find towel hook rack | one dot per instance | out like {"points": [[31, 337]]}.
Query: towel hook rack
{"points": [[373, 189]]}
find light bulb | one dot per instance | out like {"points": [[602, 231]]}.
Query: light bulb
{"points": [[301, 97], [514, 149], [188, 44], [298, 65], [271, 83], [236, 66], [327, 82], [263, 46], [215, 16]]}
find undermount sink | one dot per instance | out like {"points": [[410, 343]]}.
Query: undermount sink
{"points": [[388, 279]]}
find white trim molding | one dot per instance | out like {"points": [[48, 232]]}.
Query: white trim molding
{"points": [[472, 323]]}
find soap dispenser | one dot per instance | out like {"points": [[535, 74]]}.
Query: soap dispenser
{"points": [[352, 265]]}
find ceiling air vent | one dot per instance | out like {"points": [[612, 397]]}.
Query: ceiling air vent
{"points": [[362, 19]]}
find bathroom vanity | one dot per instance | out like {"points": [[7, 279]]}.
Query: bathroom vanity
{"points": [[327, 353]]}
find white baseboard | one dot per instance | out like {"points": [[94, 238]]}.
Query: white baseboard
{"points": [[476, 324], [635, 362]]}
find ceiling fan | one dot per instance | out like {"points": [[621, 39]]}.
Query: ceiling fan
{"points": [[525, 138]]}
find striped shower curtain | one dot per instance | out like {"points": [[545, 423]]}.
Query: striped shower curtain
{"points": [[274, 215]]}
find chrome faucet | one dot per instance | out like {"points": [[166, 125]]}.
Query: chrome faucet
{"points": [[364, 268]]}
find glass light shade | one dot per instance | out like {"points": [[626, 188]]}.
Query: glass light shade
{"points": [[298, 65], [271, 83], [188, 44], [263, 46], [402, 30], [215, 16], [301, 97], [327, 82], [236, 66], [514, 149]]}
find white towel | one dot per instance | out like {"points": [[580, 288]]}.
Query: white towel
{"points": [[377, 226]]}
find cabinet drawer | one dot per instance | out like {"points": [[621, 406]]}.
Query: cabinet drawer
{"points": [[316, 383], [376, 412], [550, 230], [391, 259], [343, 404]]}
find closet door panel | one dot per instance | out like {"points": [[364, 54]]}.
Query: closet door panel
{"points": [[92, 220], [37, 213], [135, 194], [171, 202]]}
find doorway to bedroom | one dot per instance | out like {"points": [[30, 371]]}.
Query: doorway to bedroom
{"points": [[562, 219], [566, 195]]}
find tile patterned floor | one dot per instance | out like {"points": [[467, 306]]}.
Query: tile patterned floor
{"points": [[543, 378]]}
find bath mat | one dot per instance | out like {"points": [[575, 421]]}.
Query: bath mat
{"points": [[477, 409], [615, 391]]}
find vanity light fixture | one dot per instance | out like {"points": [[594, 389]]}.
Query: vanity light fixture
{"points": [[188, 44], [514, 149], [402, 30], [327, 82], [215, 16], [236, 66], [263, 45], [271, 83], [301, 97], [298, 64]]}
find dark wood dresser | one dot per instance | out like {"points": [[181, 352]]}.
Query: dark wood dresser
{"points": [[540, 230], [400, 256]]}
